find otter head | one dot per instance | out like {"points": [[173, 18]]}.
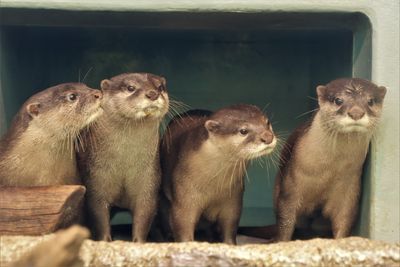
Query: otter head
{"points": [[241, 131], [136, 96], [63, 110], [350, 105]]}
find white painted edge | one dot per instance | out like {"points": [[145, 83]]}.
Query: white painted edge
{"points": [[199, 6]]}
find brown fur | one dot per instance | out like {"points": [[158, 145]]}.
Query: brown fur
{"points": [[121, 168], [204, 157], [321, 165], [38, 149]]}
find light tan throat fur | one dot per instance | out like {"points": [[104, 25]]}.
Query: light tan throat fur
{"points": [[222, 168], [39, 159]]}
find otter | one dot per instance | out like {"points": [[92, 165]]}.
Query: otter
{"points": [[38, 149], [203, 157], [321, 165], [122, 167]]}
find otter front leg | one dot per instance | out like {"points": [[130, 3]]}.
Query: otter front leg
{"points": [[183, 222], [228, 220], [99, 216], [344, 211], [143, 215], [286, 219]]}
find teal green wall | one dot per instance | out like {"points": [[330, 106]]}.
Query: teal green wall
{"points": [[204, 69]]}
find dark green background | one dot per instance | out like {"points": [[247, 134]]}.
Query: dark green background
{"points": [[210, 61]]}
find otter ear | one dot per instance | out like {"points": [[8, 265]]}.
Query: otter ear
{"points": [[158, 80], [163, 81], [212, 126], [381, 92], [321, 91], [105, 84], [33, 109]]}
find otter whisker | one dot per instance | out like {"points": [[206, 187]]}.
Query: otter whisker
{"points": [[231, 178], [179, 105], [265, 107], [84, 77], [175, 101], [243, 165], [80, 141], [307, 112], [259, 161]]}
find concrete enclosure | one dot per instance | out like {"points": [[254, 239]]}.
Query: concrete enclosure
{"points": [[216, 53]]}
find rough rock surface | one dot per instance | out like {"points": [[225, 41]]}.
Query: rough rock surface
{"points": [[353, 251], [61, 250]]}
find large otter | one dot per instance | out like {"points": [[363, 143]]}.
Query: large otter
{"points": [[38, 149], [122, 167], [321, 165], [204, 156]]}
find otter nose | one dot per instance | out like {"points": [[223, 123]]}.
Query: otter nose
{"points": [[267, 137], [356, 113], [152, 95], [98, 95]]}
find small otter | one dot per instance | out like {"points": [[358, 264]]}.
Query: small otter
{"points": [[203, 157], [122, 168], [38, 149], [321, 167]]}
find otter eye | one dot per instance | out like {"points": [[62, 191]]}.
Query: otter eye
{"points": [[72, 97], [338, 101], [131, 88], [371, 102], [161, 88], [243, 131]]}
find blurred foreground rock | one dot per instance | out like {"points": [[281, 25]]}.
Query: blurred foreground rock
{"points": [[317, 252], [61, 250]]}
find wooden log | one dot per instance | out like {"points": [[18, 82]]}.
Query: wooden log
{"points": [[39, 210]]}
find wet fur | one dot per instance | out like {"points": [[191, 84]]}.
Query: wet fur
{"points": [[321, 166]]}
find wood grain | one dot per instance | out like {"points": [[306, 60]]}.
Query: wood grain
{"points": [[39, 210]]}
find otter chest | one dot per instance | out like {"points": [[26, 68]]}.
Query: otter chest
{"points": [[322, 173], [128, 149]]}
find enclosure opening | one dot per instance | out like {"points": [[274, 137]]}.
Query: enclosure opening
{"points": [[210, 60]]}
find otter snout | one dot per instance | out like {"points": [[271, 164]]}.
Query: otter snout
{"points": [[98, 95], [356, 113], [267, 137], [152, 95]]}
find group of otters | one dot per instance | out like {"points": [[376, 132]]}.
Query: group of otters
{"points": [[109, 141]]}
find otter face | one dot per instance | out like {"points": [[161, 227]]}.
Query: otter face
{"points": [[136, 96], [242, 130], [350, 105], [65, 108]]}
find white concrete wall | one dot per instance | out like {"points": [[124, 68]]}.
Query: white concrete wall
{"points": [[384, 15]]}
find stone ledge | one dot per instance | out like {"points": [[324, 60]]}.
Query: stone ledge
{"points": [[317, 252]]}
